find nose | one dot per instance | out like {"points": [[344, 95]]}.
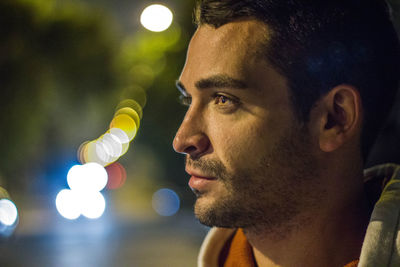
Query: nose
{"points": [[191, 138]]}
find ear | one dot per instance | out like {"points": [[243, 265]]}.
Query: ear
{"points": [[340, 117]]}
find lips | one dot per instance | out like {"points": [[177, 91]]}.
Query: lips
{"points": [[200, 182], [198, 174]]}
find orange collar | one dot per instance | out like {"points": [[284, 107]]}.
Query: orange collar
{"points": [[238, 252]]}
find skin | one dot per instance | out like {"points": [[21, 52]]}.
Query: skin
{"points": [[285, 183]]}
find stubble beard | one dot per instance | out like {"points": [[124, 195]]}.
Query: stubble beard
{"points": [[268, 197]]}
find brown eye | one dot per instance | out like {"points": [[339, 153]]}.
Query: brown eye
{"points": [[226, 104], [222, 100]]}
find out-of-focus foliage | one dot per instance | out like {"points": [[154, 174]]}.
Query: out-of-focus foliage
{"points": [[58, 64], [155, 61], [64, 66]]}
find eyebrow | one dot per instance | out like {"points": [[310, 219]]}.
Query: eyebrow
{"points": [[215, 81]]}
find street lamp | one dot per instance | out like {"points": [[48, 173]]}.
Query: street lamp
{"points": [[156, 18], [8, 214]]}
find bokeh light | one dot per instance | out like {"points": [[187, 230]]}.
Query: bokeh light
{"points": [[112, 145], [8, 212], [130, 103], [93, 204], [116, 175], [156, 18], [93, 152], [87, 180], [72, 204], [123, 128], [84, 197], [135, 91], [120, 135], [102, 153], [68, 205], [131, 113], [125, 123], [166, 202], [91, 177]]}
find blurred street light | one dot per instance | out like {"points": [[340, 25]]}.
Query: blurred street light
{"points": [[8, 214], [166, 202], [84, 197], [109, 147], [91, 177], [67, 204], [156, 18]]}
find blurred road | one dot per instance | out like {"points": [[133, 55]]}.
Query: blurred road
{"points": [[164, 241]]}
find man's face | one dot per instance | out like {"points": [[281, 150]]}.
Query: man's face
{"points": [[249, 158]]}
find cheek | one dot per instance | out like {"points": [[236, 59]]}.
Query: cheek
{"points": [[242, 145]]}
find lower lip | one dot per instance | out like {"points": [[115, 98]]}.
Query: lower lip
{"points": [[200, 183]]}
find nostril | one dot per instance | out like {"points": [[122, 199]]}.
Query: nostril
{"points": [[190, 149]]}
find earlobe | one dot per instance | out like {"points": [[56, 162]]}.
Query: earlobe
{"points": [[341, 117]]}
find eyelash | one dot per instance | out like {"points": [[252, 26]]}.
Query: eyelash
{"points": [[225, 98], [187, 100]]}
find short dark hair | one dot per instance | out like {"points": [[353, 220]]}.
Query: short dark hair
{"points": [[318, 45]]}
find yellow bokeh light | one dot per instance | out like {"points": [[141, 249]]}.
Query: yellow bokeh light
{"points": [[136, 92], [130, 103], [131, 113], [125, 123], [109, 147], [93, 152]]}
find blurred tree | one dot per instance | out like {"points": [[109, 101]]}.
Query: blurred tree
{"points": [[63, 68], [154, 61], [59, 75]]}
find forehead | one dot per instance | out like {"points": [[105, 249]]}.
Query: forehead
{"points": [[226, 48], [243, 36], [235, 50]]}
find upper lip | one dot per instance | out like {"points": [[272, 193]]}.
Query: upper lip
{"points": [[197, 174]]}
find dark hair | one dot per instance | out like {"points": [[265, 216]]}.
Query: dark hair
{"points": [[318, 45]]}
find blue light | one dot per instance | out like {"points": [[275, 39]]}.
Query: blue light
{"points": [[166, 202]]}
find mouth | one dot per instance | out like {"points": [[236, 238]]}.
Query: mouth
{"points": [[199, 174], [199, 182]]}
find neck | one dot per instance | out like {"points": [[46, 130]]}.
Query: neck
{"points": [[331, 235]]}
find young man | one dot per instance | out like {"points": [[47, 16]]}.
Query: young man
{"points": [[285, 100]]}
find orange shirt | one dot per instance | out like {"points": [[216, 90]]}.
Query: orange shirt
{"points": [[238, 253]]}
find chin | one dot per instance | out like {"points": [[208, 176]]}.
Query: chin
{"points": [[212, 212], [204, 210]]}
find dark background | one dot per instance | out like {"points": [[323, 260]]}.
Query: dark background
{"points": [[64, 66]]}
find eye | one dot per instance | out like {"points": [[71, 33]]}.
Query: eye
{"points": [[223, 100], [185, 100], [226, 104]]}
